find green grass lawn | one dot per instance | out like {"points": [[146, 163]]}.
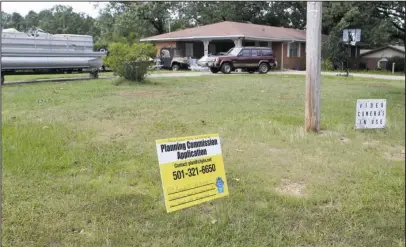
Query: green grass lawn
{"points": [[80, 165], [373, 72], [12, 78], [9, 78]]}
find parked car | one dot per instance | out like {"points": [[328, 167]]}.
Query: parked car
{"points": [[203, 61], [251, 59], [167, 60]]}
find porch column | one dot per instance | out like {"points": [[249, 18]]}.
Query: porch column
{"points": [[237, 43], [282, 55], [206, 47], [270, 44], [257, 43]]}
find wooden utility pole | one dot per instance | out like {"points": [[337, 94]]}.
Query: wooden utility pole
{"points": [[313, 66], [1, 93]]}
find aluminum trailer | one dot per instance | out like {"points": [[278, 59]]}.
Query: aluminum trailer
{"points": [[40, 53]]}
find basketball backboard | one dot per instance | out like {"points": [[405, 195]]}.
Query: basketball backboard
{"points": [[351, 35]]}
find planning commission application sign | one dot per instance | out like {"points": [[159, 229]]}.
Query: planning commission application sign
{"points": [[370, 114], [192, 170]]}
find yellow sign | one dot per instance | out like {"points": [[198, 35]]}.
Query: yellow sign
{"points": [[192, 170]]}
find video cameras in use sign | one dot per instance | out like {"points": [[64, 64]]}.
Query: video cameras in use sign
{"points": [[370, 114]]}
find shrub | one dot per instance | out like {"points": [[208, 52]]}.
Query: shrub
{"points": [[131, 62], [327, 65], [399, 64]]}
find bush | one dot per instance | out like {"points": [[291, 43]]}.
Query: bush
{"points": [[131, 62], [327, 65], [399, 64]]}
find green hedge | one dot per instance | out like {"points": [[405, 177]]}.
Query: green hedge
{"points": [[399, 64]]}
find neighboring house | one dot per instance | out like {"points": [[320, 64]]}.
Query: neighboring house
{"points": [[288, 45], [378, 58]]}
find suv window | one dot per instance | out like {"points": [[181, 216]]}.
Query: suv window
{"points": [[245, 53], [267, 52], [255, 53]]}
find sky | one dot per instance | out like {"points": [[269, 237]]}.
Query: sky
{"points": [[24, 7]]}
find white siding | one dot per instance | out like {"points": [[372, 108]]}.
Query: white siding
{"points": [[385, 53]]}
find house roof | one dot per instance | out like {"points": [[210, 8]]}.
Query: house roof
{"points": [[393, 47], [362, 51], [232, 30]]}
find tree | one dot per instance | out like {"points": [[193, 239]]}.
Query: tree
{"points": [[395, 12], [31, 19], [5, 19], [16, 21], [338, 16]]}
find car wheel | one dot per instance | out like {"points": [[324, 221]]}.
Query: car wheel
{"points": [[263, 68], [214, 70], [226, 68], [175, 67]]}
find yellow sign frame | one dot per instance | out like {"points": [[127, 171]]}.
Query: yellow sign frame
{"points": [[192, 170]]}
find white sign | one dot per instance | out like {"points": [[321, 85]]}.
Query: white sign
{"points": [[371, 114], [355, 35]]}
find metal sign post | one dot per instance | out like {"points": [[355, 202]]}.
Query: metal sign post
{"points": [[351, 37]]}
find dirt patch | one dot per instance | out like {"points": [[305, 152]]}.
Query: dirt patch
{"points": [[344, 140], [379, 86], [275, 150], [291, 188], [328, 133], [147, 93], [137, 94], [107, 130], [395, 154], [370, 143], [286, 96]]}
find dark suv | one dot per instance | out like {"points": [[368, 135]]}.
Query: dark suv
{"points": [[251, 59]]}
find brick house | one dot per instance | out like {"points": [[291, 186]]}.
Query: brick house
{"points": [[288, 45], [377, 58]]}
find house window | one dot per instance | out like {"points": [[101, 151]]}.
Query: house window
{"points": [[263, 43], [294, 49], [249, 43], [189, 50]]}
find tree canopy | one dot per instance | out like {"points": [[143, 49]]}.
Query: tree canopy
{"points": [[381, 23]]}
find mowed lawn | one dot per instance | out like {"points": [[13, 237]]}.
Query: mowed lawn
{"points": [[20, 78], [80, 165]]}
